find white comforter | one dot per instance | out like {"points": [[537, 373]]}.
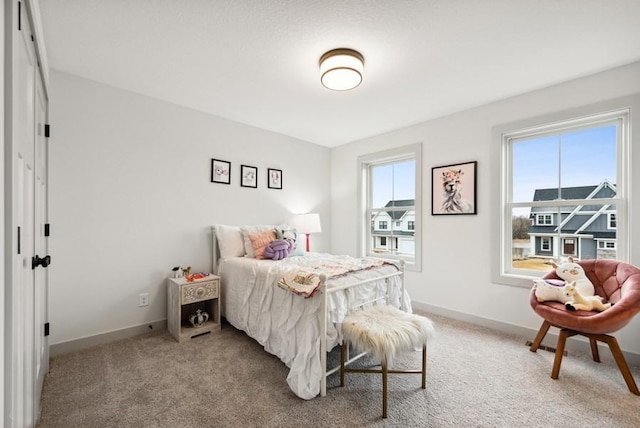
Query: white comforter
{"points": [[286, 324]]}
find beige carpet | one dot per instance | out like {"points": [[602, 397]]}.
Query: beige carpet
{"points": [[476, 378]]}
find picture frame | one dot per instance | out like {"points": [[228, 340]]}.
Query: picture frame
{"points": [[274, 178], [454, 189], [248, 176], [220, 171]]}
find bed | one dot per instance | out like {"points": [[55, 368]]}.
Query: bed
{"points": [[298, 326]]}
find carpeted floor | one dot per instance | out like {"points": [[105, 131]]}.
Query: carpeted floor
{"points": [[476, 378]]}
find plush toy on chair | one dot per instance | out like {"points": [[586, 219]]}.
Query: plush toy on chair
{"points": [[550, 290], [572, 272], [578, 302]]}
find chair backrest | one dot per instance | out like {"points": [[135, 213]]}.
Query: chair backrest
{"points": [[613, 279]]}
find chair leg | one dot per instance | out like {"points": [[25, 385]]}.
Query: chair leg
{"points": [[562, 339], [594, 350], [424, 366], [343, 352], [384, 387], [544, 328], [622, 363]]}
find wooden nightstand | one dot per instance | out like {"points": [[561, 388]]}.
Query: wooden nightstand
{"points": [[185, 298]]}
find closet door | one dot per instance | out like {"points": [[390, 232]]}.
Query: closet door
{"points": [[41, 248], [23, 210], [26, 295]]}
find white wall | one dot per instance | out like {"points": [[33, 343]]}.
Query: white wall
{"points": [[458, 251], [131, 197]]}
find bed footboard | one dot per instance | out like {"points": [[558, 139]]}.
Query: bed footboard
{"points": [[324, 305]]}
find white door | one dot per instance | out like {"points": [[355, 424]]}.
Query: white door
{"points": [[26, 294], [41, 344]]}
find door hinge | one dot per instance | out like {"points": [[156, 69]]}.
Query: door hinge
{"points": [[47, 229], [46, 329], [47, 130], [19, 240]]}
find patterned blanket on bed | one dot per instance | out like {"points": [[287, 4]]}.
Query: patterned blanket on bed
{"points": [[306, 280]]}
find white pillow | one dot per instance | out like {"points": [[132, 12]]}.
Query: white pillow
{"points": [[230, 241], [248, 230]]}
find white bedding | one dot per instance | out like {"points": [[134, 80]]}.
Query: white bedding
{"points": [[287, 324]]}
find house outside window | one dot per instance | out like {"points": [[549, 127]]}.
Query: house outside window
{"points": [[411, 225], [543, 182], [391, 188]]}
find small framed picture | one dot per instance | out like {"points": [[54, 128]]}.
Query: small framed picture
{"points": [[274, 178], [220, 171], [248, 176], [453, 189]]}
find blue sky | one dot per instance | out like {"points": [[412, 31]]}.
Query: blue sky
{"points": [[588, 156], [393, 182]]}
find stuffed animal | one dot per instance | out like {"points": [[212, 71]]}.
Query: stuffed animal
{"points": [[550, 290], [573, 272], [277, 249], [578, 302]]}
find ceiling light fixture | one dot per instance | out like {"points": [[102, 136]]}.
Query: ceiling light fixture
{"points": [[341, 69]]}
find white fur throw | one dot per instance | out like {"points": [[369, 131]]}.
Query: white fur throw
{"points": [[385, 331]]}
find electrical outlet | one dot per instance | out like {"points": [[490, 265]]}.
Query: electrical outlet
{"points": [[143, 300]]}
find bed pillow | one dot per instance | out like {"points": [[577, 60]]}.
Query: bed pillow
{"points": [[259, 240], [248, 230], [230, 241], [298, 241]]}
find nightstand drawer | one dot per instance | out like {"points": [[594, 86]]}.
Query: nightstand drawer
{"points": [[199, 291]]}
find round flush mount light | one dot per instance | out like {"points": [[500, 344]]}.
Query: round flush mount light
{"points": [[341, 69]]}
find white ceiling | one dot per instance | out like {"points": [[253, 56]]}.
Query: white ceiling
{"points": [[256, 61]]}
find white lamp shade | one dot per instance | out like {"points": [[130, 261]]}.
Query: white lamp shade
{"points": [[307, 223], [341, 69]]}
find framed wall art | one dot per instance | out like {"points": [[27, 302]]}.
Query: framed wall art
{"points": [[274, 178], [248, 176], [220, 171], [453, 189]]}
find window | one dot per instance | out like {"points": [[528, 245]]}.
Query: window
{"points": [[391, 188], [545, 244], [544, 219], [606, 245], [567, 180]]}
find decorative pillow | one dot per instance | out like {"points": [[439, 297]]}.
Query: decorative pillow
{"points": [[259, 240], [247, 230], [230, 241], [297, 241]]}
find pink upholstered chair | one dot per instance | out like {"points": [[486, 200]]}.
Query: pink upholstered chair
{"points": [[616, 282]]}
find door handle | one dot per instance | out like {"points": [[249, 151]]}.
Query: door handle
{"points": [[40, 261]]}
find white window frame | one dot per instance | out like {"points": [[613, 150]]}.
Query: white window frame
{"points": [[545, 243], [602, 244], [503, 272], [615, 220], [412, 151], [541, 219]]}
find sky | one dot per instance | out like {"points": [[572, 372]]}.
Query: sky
{"points": [[588, 156]]}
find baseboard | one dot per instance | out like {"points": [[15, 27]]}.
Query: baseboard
{"points": [[575, 344], [101, 339]]}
